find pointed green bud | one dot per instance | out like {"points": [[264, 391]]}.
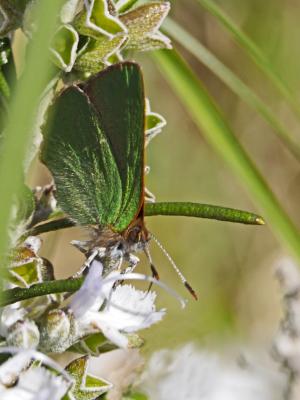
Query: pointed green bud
{"points": [[57, 331], [23, 334]]}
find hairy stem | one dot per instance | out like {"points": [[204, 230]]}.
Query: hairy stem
{"points": [[69, 285], [183, 209]]}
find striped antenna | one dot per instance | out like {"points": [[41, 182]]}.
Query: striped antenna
{"points": [[172, 262], [152, 266]]}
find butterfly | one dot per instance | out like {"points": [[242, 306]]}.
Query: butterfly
{"points": [[94, 144]]}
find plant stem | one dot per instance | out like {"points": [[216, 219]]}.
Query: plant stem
{"points": [[40, 289], [183, 209]]}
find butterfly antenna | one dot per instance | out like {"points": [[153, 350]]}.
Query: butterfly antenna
{"points": [[177, 270], [152, 266]]}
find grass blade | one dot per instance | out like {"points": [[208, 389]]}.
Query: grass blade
{"points": [[232, 81], [209, 119], [253, 51], [22, 113]]}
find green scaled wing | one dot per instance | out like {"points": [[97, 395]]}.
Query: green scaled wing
{"points": [[94, 147]]}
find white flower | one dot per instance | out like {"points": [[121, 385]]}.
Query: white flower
{"points": [[19, 382], [287, 339], [126, 310], [198, 375]]}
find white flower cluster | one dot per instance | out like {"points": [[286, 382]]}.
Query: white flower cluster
{"points": [[124, 309], [189, 373]]}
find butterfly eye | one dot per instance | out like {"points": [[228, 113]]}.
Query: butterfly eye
{"points": [[120, 246], [134, 234]]}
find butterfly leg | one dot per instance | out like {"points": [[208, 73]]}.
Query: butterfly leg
{"points": [[133, 262], [97, 252]]}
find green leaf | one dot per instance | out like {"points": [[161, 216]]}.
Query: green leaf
{"points": [[209, 119], [97, 53], [143, 25], [94, 147], [64, 47], [26, 274], [96, 21], [93, 345], [154, 123], [86, 386], [233, 82], [253, 51]]}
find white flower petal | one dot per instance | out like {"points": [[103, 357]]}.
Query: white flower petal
{"points": [[90, 295], [130, 310], [114, 336], [10, 369], [14, 367], [42, 383]]}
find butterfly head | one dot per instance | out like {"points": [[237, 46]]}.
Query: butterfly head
{"points": [[136, 235]]}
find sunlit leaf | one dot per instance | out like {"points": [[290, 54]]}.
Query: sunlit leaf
{"points": [[86, 386], [96, 55], [64, 47], [96, 21], [93, 345], [143, 25]]}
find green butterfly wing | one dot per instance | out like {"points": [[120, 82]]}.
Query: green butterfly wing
{"points": [[94, 147]]}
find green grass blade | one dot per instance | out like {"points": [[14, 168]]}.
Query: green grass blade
{"points": [[253, 51], [209, 119], [22, 113], [232, 81]]}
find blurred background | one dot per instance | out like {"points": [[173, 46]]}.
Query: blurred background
{"points": [[231, 266]]}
